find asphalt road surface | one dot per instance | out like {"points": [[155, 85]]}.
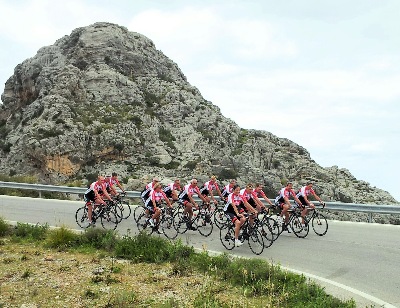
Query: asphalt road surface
{"points": [[353, 260]]}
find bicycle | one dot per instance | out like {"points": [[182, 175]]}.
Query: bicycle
{"points": [[252, 234], [107, 216], [201, 221], [319, 222], [295, 224], [165, 222]]}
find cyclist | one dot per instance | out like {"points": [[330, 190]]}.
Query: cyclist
{"points": [[171, 189], [228, 189], [146, 191], [111, 182], [282, 200], [302, 195], [208, 188], [95, 193], [248, 194], [152, 204], [187, 200], [234, 209]]}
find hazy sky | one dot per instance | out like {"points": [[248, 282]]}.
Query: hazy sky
{"points": [[325, 74]]}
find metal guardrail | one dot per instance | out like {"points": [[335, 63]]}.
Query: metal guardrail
{"points": [[333, 206]]}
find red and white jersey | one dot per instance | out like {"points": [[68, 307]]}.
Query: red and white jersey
{"points": [[96, 186], [210, 185], [260, 194], [246, 195], [286, 192], [190, 190], [233, 199], [228, 189], [150, 186], [157, 196], [110, 181], [174, 186], [305, 191]]}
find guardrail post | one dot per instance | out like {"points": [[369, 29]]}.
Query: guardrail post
{"points": [[370, 217], [40, 194]]}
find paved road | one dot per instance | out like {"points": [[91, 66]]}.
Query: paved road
{"points": [[356, 260]]}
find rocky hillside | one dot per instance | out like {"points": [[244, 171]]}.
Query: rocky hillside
{"points": [[104, 98]]}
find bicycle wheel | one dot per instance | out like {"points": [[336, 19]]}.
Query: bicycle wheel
{"points": [[270, 229], [125, 209], [227, 237], [204, 224], [81, 217], [266, 233], [143, 224], [219, 218], [297, 227], [137, 211], [167, 226], [116, 210], [180, 221], [256, 242], [109, 220], [319, 224]]}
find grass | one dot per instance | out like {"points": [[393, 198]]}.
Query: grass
{"points": [[51, 268]]}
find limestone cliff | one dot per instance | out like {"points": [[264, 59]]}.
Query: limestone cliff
{"points": [[104, 98]]}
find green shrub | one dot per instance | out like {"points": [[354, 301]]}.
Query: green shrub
{"points": [[146, 248], [34, 232], [62, 238], [99, 238], [4, 227]]}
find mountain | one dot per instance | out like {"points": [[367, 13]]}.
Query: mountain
{"points": [[105, 99]]}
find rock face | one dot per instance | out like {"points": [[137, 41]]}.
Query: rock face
{"points": [[105, 99]]}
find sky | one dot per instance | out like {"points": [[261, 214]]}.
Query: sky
{"points": [[324, 74]]}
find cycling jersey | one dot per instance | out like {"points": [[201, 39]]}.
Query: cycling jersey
{"points": [[146, 191], [228, 189], [95, 186], [156, 196], [172, 186], [110, 181], [305, 191], [188, 190], [233, 199], [209, 186], [284, 192]]}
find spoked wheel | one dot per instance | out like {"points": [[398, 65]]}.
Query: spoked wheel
{"points": [[136, 213], [297, 227], [256, 242], [274, 227], [167, 226], [180, 222], [117, 211], [109, 220], [227, 237], [204, 224], [125, 209], [319, 224], [219, 218], [143, 224], [267, 235], [81, 216]]}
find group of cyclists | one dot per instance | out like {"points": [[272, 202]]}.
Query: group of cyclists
{"points": [[240, 204]]}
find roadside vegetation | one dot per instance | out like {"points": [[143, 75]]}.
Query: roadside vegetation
{"points": [[41, 267]]}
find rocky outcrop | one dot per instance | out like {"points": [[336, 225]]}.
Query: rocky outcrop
{"points": [[104, 98]]}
